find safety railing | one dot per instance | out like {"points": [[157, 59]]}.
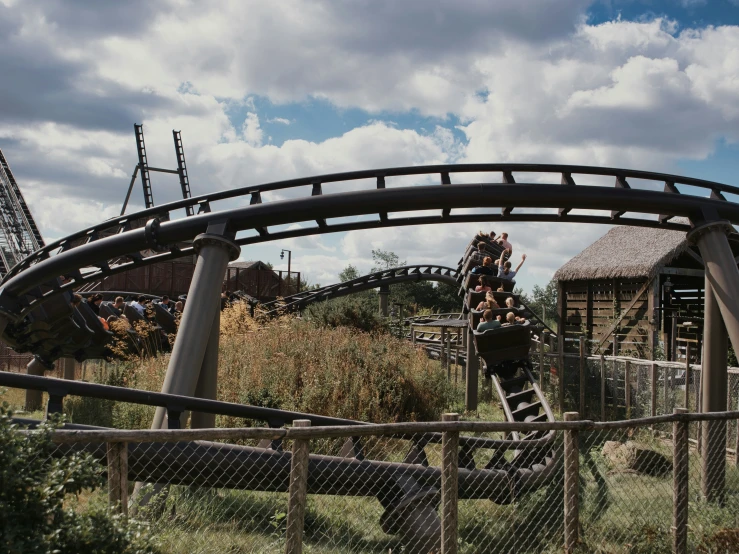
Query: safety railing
{"points": [[612, 484]]}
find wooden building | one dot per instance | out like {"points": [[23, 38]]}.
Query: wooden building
{"points": [[173, 278], [636, 290]]}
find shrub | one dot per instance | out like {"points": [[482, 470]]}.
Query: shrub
{"points": [[357, 313], [36, 514]]}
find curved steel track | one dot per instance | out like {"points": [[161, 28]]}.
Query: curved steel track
{"points": [[387, 277], [35, 278]]}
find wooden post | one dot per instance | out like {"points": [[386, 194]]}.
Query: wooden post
{"points": [[442, 356], [673, 338], [297, 494], [413, 334], [542, 345], [582, 375], [572, 484], [680, 455], [687, 375], [449, 486], [449, 353], [615, 344], [561, 373], [602, 387], [118, 477], [627, 388]]}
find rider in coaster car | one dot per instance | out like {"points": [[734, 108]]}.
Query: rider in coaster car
{"points": [[488, 322]]}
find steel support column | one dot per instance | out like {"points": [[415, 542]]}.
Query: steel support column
{"points": [[69, 365], [472, 377], [207, 386], [721, 272], [384, 293], [34, 398], [715, 382], [203, 301]]}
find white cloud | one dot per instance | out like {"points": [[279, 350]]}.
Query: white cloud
{"points": [[529, 81]]}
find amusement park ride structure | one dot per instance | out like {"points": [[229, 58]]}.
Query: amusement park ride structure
{"points": [[37, 289]]}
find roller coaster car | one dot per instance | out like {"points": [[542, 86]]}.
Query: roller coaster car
{"points": [[507, 344], [476, 316], [471, 281], [474, 299]]}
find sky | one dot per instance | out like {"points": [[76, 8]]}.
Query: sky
{"points": [[263, 91]]}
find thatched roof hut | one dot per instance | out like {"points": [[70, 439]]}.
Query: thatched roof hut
{"points": [[625, 252], [614, 291]]}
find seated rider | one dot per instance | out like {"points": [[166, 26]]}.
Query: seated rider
{"points": [[485, 269], [489, 303], [484, 286], [510, 319], [504, 268], [503, 241], [488, 322], [510, 303]]}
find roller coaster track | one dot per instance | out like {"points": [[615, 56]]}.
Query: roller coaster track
{"points": [[387, 277], [32, 280]]}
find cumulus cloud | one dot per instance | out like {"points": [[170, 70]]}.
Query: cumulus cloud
{"points": [[526, 81]]}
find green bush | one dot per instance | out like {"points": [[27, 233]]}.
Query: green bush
{"points": [[354, 312], [37, 493]]}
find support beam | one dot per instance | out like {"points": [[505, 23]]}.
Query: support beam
{"points": [[203, 301], [472, 378], [384, 293], [715, 383], [721, 272], [69, 365], [207, 386], [34, 398]]}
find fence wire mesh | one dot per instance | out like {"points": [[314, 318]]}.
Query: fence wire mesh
{"points": [[384, 493]]}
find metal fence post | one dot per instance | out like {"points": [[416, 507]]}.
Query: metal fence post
{"points": [[118, 477], [571, 484], [449, 486], [561, 373], [627, 388], [687, 375], [582, 375], [653, 388], [680, 455], [542, 345], [297, 493], [602, 387]]}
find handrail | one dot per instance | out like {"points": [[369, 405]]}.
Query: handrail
{"points": [[170, 239], [380, 429], [204, 199], [177, 404]]}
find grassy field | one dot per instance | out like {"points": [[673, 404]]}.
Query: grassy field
{"points": [[372, 377]]}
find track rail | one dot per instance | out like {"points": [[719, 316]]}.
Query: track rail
{"points": [[323, 212], [387, 277]]}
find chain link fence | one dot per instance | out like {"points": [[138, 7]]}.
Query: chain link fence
{"points": [[469, 487]]}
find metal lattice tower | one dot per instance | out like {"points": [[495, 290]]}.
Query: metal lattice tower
{"points": [[19, 234], [143, 166], [182, 169]]}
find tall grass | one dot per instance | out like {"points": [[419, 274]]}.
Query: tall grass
{"points": [[292, 364]]}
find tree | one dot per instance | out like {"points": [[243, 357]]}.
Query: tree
{"points": [[348, 273], [385, 260], [543, 301]]}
